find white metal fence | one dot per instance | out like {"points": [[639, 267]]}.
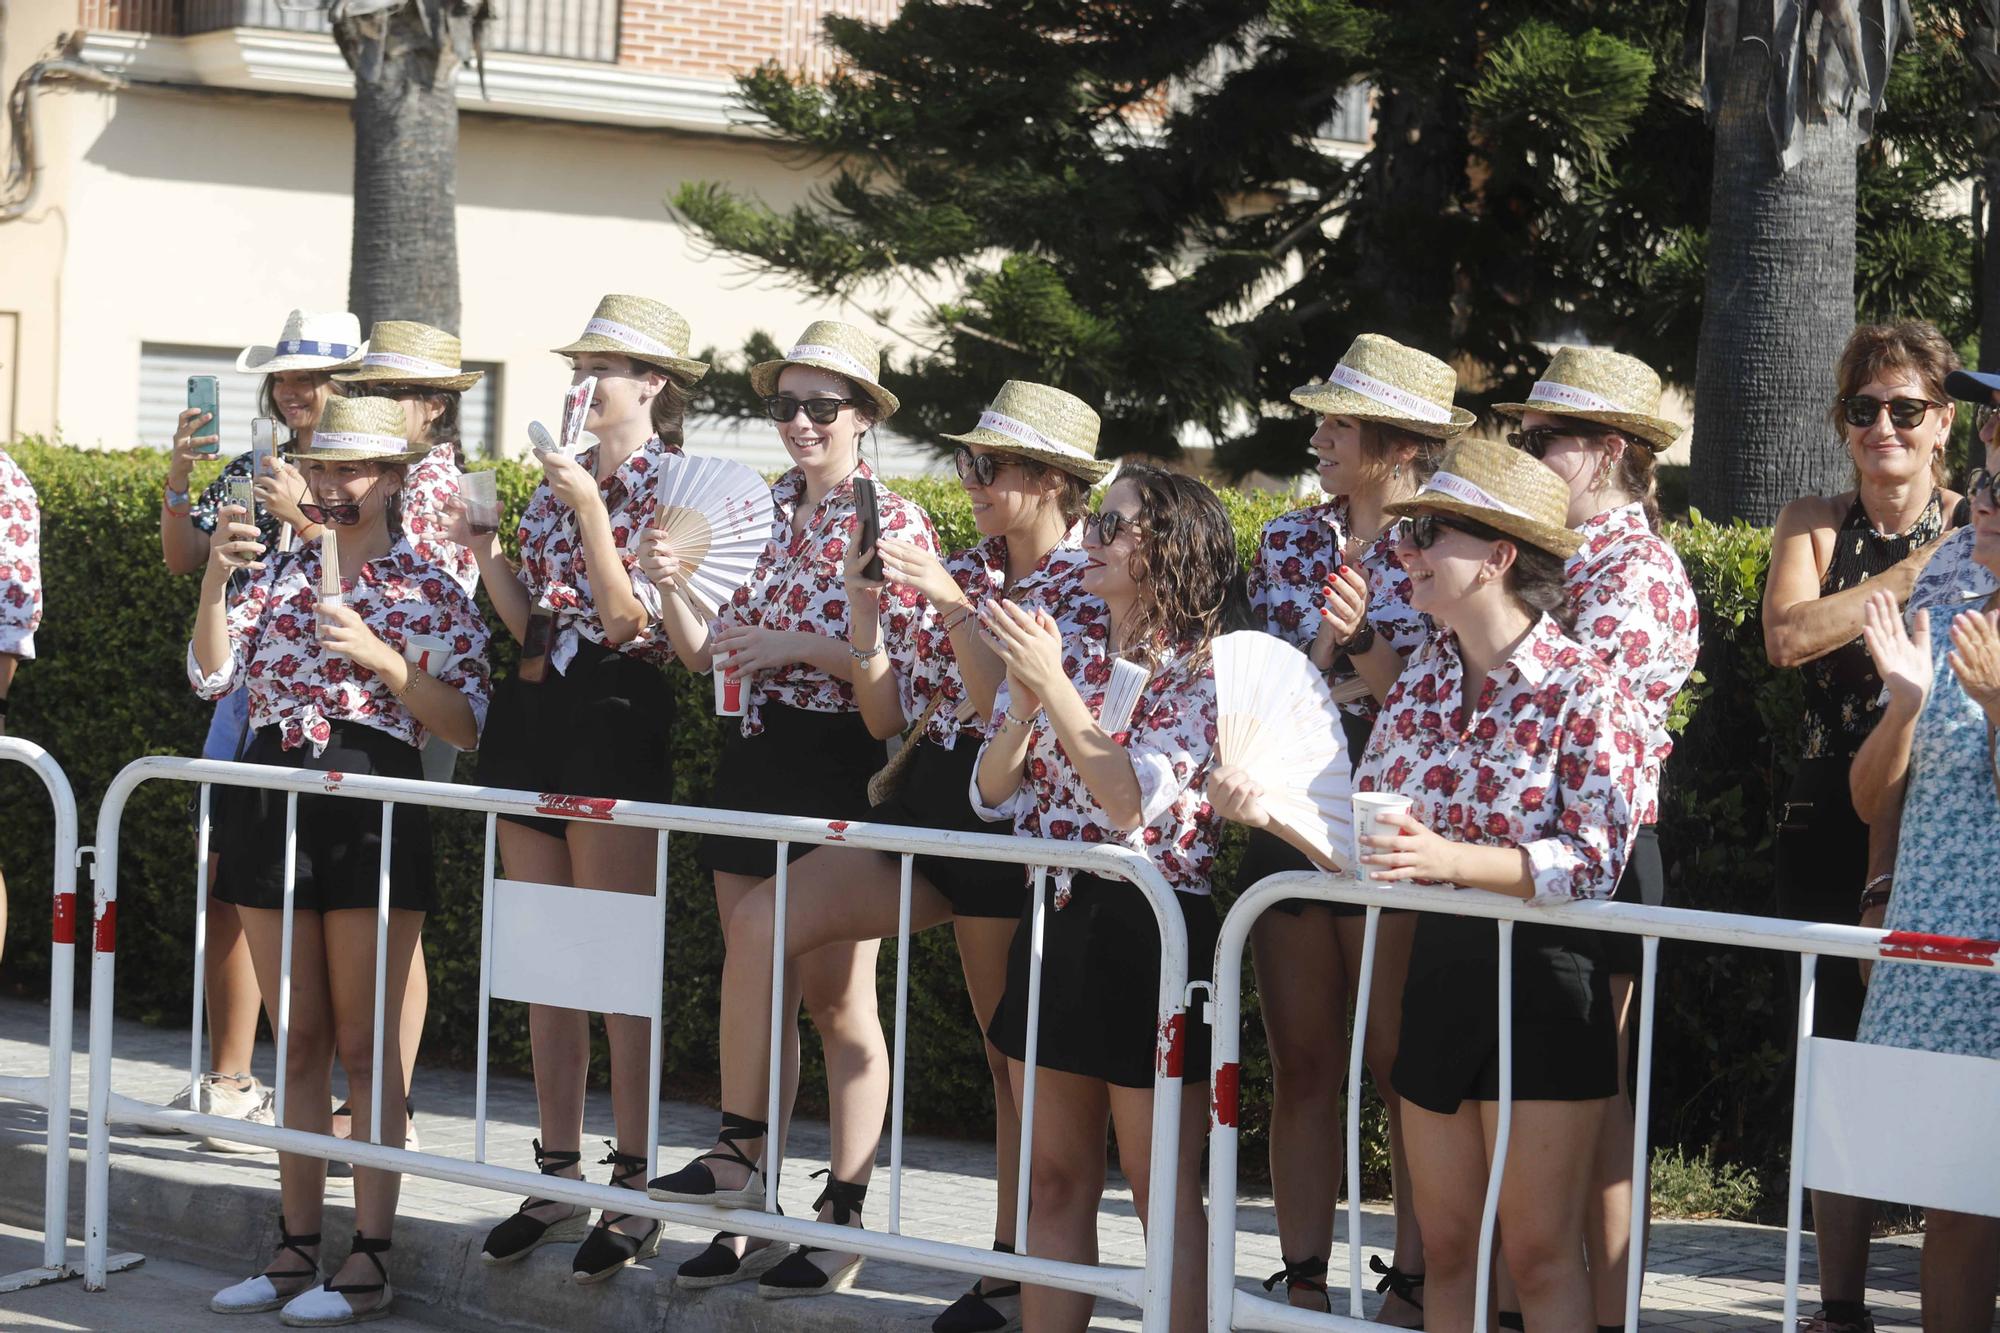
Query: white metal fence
{"points": [[1949, 1136], [1147, 1288]]}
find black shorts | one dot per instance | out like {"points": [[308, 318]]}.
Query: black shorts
{"points": [[936, 793], [1101, 984], [805, 763], [1267, 854], [1565, 1039], [1822, 866], [604, 727], [339, 839], [1644, 880]]}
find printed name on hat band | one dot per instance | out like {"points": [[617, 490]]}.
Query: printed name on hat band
{"points": [[1458, 488], [631, 337], [820, 352], [416, 365], [359, 441], [1026, 434], [1388, 394], [307, 347], [1548, 391]]}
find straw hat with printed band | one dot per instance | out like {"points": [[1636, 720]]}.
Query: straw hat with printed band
{"points": [[828, 344], [1485, 481], [1383, 381], [360, 430], [401, 351], [643, 329], [1041, 422], [312, 340], [1609, 388]]}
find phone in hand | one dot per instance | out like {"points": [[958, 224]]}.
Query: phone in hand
{"points": [[868, 533], [242, 491], [204, 396], [534, 667], [263, 445]]}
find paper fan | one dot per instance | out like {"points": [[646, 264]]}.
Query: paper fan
{"points": [[1277, 722], [717, 515], [1121, 695]]}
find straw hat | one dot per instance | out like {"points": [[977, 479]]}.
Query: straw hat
{"points": [[401, 351], [642, 329], [828, 344], [1043, 423], [361, 430], [312, 340], [1593, 384], [1381, 380], [1503, 488]]}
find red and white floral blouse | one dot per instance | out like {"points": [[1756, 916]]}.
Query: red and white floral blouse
{"points": [[1171, 741], [1635, 608], [552, 564], [20, 561], [1288, 575], [798, 587], [1053, 585], [1549, 760], [297, 685], [430, 479]]}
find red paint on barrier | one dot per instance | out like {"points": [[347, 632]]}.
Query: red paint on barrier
{"points": [[837, 827], [334, 777], [579, 807], [1223, 1102], [62, 930], [1939, 948], [1171, 1046], [107, 928]]}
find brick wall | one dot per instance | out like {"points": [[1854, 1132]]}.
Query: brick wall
{"points": [[718, 39]]}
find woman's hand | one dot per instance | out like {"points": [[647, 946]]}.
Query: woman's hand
{"points": [[1346, 606], [743, 649], [235, 545], [1237, 797], [571, 484], [1030, 643], [860, 588], [342, 631], [1902, 658], [912, 566], [1975, 658], [180, 464], [1416, 852], [658, 560], [281, 491]]}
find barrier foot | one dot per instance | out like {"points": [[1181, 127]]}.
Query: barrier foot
{"points": [[41, 1277]]}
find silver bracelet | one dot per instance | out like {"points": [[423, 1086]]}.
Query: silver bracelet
{"points": [[1007, 719], [864, 656]]}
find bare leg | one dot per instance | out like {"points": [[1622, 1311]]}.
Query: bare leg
{"points": [[1066, 1181], [1542, 1196], [308, 1058], [1393, 938], [982, 954], [1961, 1270], [558, 1039], [1132, 1117], [838, 983], [1842, 1225], [229, 979], [1607, 1235], [1448, 1166]]}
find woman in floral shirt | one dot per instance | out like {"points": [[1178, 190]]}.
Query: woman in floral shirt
{"points": [[1522, 756], [590, 712], [20, 593], [1162, 559], [349, 685], [1327, 580]]}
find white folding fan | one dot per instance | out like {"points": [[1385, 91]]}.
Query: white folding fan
{"points": [[717, 515], [1279, 724]]}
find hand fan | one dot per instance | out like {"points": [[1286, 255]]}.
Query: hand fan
{"points": [[1277, 722], [716, 514], [1121, 695], [576, 406], [329, 570]]}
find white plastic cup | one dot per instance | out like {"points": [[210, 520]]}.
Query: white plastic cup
{"points": [[1369, 808], [729, 697], [480, 491]]}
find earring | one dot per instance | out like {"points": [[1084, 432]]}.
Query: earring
{"points": [[1396, 472]]}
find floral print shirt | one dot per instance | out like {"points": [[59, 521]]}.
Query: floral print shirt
{"points": [[20, 561], [430, 480], [555, 573], [204, 511], [298, 686], [1170, 738], [1549, 760], [1636, 610], [1053, 585], [1952, 582], [1288, 575], [798, 587]]}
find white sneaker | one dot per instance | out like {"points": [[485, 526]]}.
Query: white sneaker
{"points": [[251, 1105]]}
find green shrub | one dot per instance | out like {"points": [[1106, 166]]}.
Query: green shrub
{"points": [[1697, 1187]]}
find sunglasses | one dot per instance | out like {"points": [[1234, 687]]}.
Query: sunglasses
{"points": [[1864, 410], [1103, 528], [397, 391], [1985, 486], [1983, 417], [1423, 530], [819, 411], [1536, 441], [346, 515], [980, 468]]}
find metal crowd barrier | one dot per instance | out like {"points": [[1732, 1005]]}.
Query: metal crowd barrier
{"points": [[1148, 1288], [1977, 1188]]}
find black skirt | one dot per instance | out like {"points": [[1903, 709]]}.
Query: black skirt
{"points": [[1565, 1040], [604, 727], [1822, 866], [805, 763], [1644, 880], [936, 793], [1267, 854], [1101, 984], [339, 839]]}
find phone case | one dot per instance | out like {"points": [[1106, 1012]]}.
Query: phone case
{"points": [[263, 444], [576, 407], [869, 534], [243, 492], [203, 394], [535, 646]]}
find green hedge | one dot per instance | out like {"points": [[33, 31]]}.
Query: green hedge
{"points": [[110, 687]]}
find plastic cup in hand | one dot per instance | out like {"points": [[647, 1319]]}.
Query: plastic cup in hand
{"points": [[481, 493], [1369, 809], [729, 697]]}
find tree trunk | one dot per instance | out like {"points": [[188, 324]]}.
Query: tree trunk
{"points": [[1989, 268], [404, 261], [1778, 307]]}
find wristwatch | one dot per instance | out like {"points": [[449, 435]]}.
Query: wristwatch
{"points": [[1363, 640]]}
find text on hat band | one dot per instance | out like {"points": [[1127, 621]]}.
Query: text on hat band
{"points": [[1347, 377], [358, 441], [1548, 391], [631, 337], [307, 347], [1458, 488], [819, 352], [1026, 434], [416, 365]]}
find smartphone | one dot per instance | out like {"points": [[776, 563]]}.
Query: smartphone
{"points": [[242, 491], [203, 396], [869, 532], [535, 645], [576, 407], [263, 445]]}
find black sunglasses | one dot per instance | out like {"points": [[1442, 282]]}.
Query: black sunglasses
{"points": [[346, 515], [819, 411], [980, 468], [1864, 409], [1535, 442], [1103, 528], [1423, 530], [1986, 484], [397, 391]]}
